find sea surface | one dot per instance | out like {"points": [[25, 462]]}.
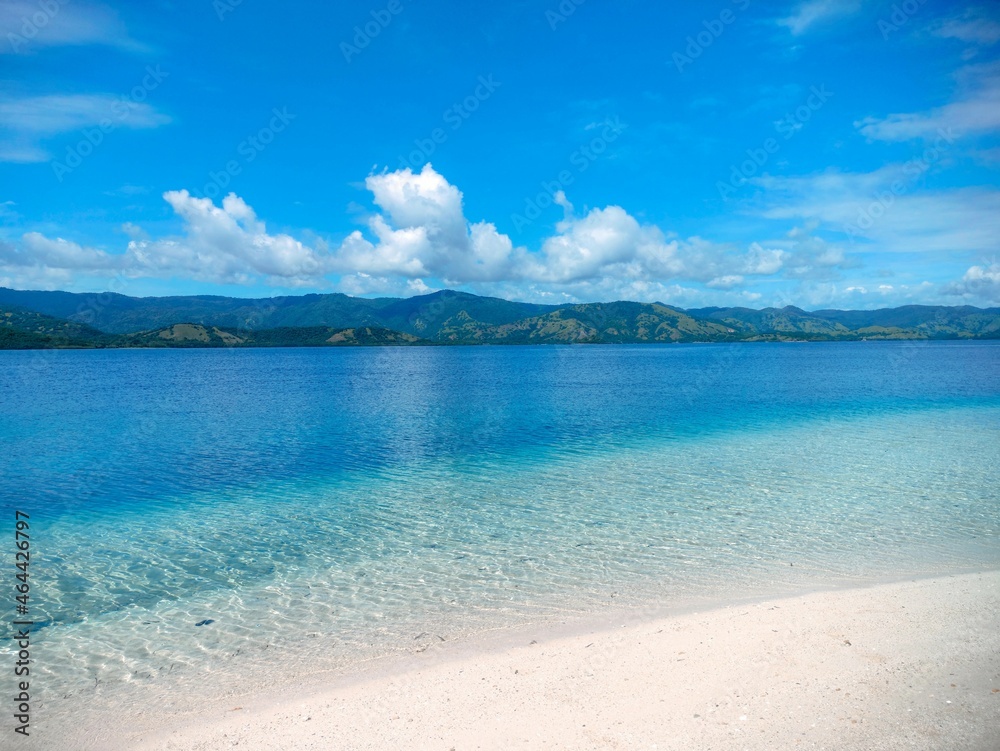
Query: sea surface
{"points": [[319, 506]]}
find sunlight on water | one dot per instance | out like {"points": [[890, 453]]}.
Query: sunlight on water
{"points": [[316, 514]]}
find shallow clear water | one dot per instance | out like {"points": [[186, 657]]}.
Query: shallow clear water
{"points": [[323, 504]]}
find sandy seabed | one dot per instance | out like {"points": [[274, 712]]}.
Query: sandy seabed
{"points": [[911, 665]]}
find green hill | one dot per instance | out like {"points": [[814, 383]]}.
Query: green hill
{"points": [[931, 321], [445, 317], [26, 329], [617, 322], [421, 316], [908, 322], [193, 335], [778, 321]]}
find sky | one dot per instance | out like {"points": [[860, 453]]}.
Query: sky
{"points": [[826, 153]]}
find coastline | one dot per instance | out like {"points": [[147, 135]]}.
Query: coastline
{"points": [[769, 339], [913, 663]]}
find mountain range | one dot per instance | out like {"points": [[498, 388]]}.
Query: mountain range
{"points": [[41, 319]]}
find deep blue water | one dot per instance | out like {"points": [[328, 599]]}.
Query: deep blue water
{"points": [[357, 491], [123, 431]]}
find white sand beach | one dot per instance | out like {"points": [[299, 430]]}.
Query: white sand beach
{"points": [[912, 665]]}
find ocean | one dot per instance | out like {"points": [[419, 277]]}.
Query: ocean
{"points": [[206, 518]]}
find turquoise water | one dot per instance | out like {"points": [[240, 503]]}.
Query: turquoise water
{"points": [[319, 505]]}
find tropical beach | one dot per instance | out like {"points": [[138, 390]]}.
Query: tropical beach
{"points": [[545, 375], [914, 665], [452, 525]]}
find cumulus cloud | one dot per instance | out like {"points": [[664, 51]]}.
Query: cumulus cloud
{"points": [[725, 282], [422, 232], [814, 259], [418, 239], [982, 282], [43, 262], [39, 250], [858, 294], [604, 242], [228, 244], [223, 245], [40, 263], [365, 284]]}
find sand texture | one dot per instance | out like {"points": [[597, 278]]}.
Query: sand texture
{"points": [[913, 665]]}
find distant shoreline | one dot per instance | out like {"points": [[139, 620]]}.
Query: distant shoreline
{"points": [[350, 338], [64, 320], [427, 343]]}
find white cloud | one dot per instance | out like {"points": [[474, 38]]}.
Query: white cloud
{"points": [[423, 233], [365, 284], [671, 293], [725, 282], [43, 263], [863, 295], [813, 13], [26, 120], [763, 261], [222, 245], [604, 242], [60, 113], [20, 152], [815, 259], [7, 211], [884, 212], [982, 282], [420, 239], [420, 233], [26, 25], [974, 26], [227, 244], [976, 112], [63, 254], [39, 252], [610, 243]]}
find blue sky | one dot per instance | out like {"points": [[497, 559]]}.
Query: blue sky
{"points": [[828, 153]]}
